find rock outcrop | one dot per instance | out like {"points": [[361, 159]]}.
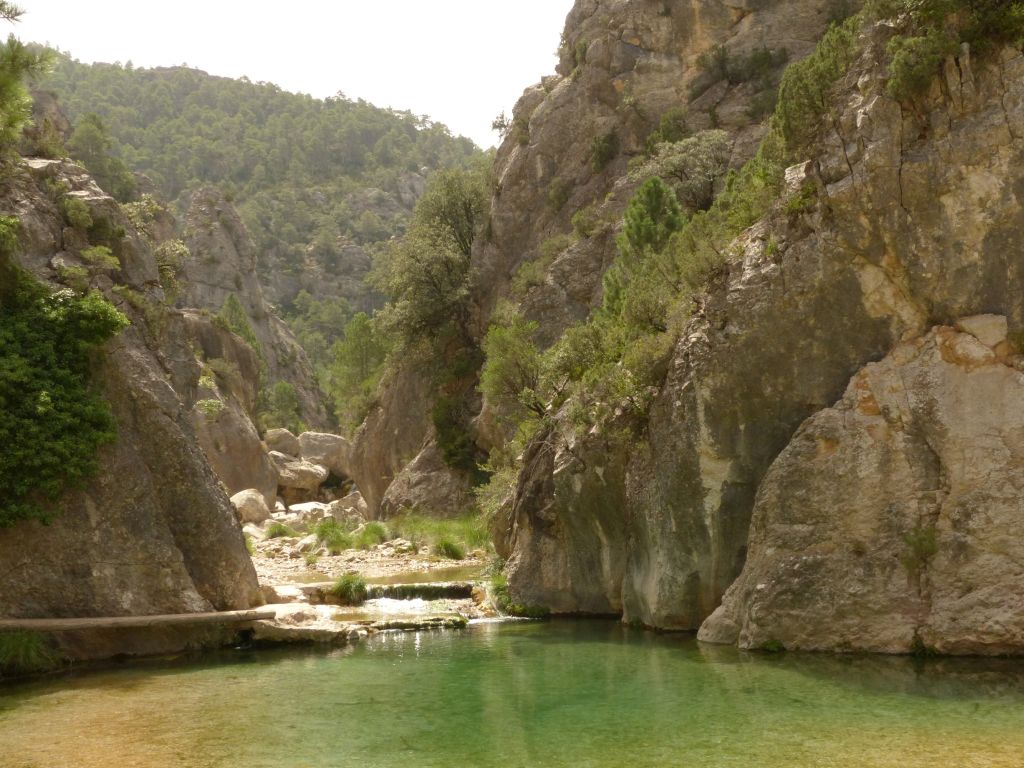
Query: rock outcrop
{"points": [[891, 521], [154, 531], [222, 265], [918, 222]]}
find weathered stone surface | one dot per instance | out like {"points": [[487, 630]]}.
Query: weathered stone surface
{"points": [[891, 521], [990, 330], [427, 486], [282, 441], [327, 450], [223, 264], [153, 532], [896, 244], [251, 506], [391, 435]]}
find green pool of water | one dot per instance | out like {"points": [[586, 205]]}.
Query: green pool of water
{"points": [[522, 694]]}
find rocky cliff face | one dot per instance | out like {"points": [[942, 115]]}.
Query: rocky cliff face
{"points": [[154, 531], [889, 523], [918, 222], [223, 264]]}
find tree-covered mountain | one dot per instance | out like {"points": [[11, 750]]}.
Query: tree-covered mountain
{"points": [[316, 180]]}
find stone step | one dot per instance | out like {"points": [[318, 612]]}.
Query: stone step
{"points": [[441, 590]]}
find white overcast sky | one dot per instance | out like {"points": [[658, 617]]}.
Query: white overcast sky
{"points": [[459, 61]]}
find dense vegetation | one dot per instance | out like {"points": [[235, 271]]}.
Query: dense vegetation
{"points": [[302, 170], [54, 421]]}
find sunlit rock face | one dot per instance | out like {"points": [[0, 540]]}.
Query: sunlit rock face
{"points": [[891, 521], [153, 532], [919, 224]]}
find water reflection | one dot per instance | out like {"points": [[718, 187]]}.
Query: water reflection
{"points": [[558, 693]]}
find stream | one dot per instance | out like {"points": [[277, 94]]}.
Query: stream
{"points": [[559, 693]]}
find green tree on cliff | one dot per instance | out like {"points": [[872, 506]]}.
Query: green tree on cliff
{"points": [[17, 64]]}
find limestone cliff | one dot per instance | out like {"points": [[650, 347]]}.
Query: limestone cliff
{"points": [[154, 531], [222, 263], [917, 222]]}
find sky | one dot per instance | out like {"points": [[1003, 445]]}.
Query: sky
{"points": [[461, 62]]}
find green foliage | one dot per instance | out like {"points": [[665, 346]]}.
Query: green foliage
{"points": [[350, 589], [26, 653], [915, 60], [76, 212], [101, 257], [672, 127], [773, 646], [932, 30], [280, 531], [332, 535], [467, 532], [17, 64], [451, 416], [585, 221], [503, 601], [604, 149], [694, 166], [210, 408], [921, 546], [370, 535], [449, 549], [805, 92], [298, 167], [250, 545], [802, 201], [54, 421], [233, 316], [756, 66], [426, 273], [355, 372], [559, 191], [510, 377], [90, 144], [280, 408]]}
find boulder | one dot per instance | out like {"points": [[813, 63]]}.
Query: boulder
{"points": [[251, 506], [891, 522], [327, 450], [282, 441], [298, 480]]}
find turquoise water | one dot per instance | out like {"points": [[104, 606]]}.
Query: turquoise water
{"points": [[521, 694]]}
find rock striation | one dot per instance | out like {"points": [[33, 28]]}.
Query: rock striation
{"points": [[890, 522]]}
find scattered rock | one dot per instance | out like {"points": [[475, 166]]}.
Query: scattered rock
{"points": [[282, 441], [251, 506], [327, 450]]}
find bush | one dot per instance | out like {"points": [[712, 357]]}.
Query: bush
{"points": [[330, 533], [466, 532], [100, 257], [350, 589], [451, 417], [372, 534], [915, 60], [603, 149], [26, 653], [76, 212], [558, 194], [54, 420], [280, 531], [449, 549]]}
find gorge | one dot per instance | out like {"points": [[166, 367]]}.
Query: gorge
{"points": [[719, 355]]}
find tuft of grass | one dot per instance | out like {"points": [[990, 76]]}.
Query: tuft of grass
{"points": [[467, 533], [448, 548], [26, 653], [332, 535], [373, 533], [312, 558], [250, 546], [280, 531], [350, 589]]}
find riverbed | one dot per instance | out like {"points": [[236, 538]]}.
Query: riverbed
{"points": [[560, 693]]}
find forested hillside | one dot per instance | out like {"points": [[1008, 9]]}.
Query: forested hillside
{"points": [[317, 182], [306, 173]]}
